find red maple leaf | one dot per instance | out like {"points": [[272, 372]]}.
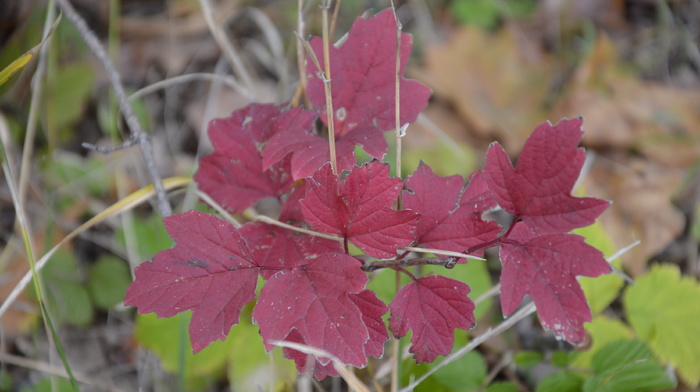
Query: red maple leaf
{"points": [[363, 81], [307, 363], [372, 311], [313, 299], [233, 174], [432, 307], [309, 151], [359, 208], [545, 266], [210, 272], [363, 88], [275, 249], [450, 215], [538, 190]]}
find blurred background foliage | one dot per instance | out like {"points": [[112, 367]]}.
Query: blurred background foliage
{"points": [[497, 69]]}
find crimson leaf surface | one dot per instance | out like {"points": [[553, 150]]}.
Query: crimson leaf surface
{"points": [[210, 272], [432, 307], [450, 215], [359, 208], [538, 189], [233, 175]]}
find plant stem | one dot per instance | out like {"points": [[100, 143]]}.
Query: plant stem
{"points": [[138, 136], [447, 262], [397, 96], [500, 328], [325, 6]]}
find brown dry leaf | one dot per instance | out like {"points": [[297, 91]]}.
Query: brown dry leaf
{"points": [[497, 82], [22, 315], [622, 111], [642, 191]]}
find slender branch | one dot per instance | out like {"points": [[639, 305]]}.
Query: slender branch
{"points": [[301, 59], [441, 252], [325, 5], [274, 222], [447, 262], [227, 47], [397, 96], [500, 328], [336, 11], [138, 136]]}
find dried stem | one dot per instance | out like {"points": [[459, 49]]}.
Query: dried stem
{"points": [[397, 96], [274, 222], [525, 311], [138, 136], [325, 6], [447, 262], [227, 47], [301, 59], [336, 10]]}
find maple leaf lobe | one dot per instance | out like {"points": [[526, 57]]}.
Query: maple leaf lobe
{"points": [[545, 267], [432, 307], [359, 208], [538, 189], [210, 272]]}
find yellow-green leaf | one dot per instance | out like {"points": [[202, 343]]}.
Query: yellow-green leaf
{"points": [[603, 330], [24, 59], [600, 291], [664, 309]]}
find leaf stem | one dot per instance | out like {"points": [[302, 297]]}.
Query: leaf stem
{"points": [[525, 311], [397, 96], [447, 262], [325, 6]]}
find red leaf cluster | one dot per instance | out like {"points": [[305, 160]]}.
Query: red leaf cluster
{"points": [[315, 290]]}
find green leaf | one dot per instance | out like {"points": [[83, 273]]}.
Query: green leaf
{"points": [[602, 331], [600, 291], [73, 175], [560, 358], [49, 385], [467, 373], [626, 365], [169, 340], [108, 280], [487, 13], [503, 386], [663, 309], [66, 297], [528, 359], [444, 156], [248, 360], [561, 382], [67, 93], [150, 235], [24, 59]]}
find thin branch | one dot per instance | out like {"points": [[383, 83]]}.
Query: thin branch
{"points": [[325, 5], [334, 20], [137, 134], [47, 368], [301, 59], [230, 81], [226, 46], [267, 219], [500, 328], [441, 252], [492, 292], [397, 96], [447, 262]]}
